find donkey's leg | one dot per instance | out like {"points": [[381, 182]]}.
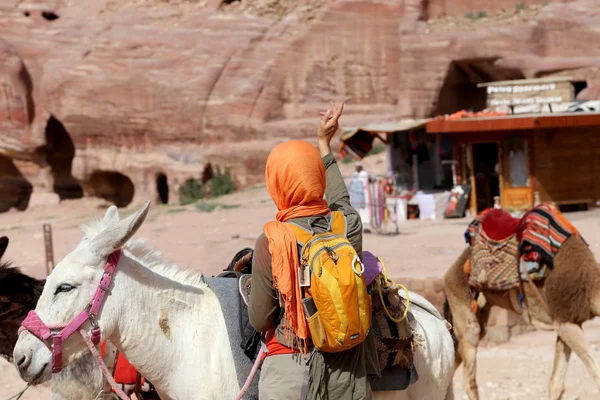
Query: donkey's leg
{"points": [[562, 353], [572, 334]]}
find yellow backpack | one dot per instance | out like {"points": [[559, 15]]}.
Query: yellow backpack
{"points": [[336, 302]]}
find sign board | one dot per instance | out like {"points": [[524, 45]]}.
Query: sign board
{"points": [[529, 92]]}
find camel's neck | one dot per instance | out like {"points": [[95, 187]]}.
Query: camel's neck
{"points": [[171, 333]]}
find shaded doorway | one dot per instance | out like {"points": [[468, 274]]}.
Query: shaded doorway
{"points": [[162, 188], [486, 169], [60, 152], [112, 186], [15, 189]]}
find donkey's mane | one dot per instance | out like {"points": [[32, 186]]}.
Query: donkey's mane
{"points": [[150, 258]]}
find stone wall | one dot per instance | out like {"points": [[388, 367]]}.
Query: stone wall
{"points": [[445, 8], [501, 326], [136, 90]]}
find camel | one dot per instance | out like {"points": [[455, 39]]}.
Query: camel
{"points": [[170, 325], [567, 297], [19, 293]]}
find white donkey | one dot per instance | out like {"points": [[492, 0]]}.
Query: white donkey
{"points": [[171, 326]]}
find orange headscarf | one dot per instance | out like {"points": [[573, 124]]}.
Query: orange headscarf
{"points": [[295, 177]]}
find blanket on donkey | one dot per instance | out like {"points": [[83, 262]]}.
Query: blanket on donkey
{"points": [[227, 292], [396, 343], [543, 231]]}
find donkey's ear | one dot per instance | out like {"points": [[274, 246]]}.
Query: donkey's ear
{"points": [[3, 245], [111, 217], [114, 237]]}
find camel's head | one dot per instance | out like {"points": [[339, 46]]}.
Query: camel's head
{"points": [[68, 291], [19, 293]]}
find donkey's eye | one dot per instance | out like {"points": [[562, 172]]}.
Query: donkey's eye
{"points": [[64, 288]]}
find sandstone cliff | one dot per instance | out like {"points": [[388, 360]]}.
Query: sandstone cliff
{"points": [[109, 97]]}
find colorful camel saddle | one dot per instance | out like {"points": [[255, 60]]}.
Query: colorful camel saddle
{"points": [[507, 250]]}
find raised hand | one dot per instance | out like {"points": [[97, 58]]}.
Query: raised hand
{"points": [[328, 127]]}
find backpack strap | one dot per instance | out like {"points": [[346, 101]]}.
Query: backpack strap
{"points": [[302, 235], [337, 225]]}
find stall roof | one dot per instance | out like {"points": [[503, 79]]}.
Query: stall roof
{"points": [[513, 122], [526, 81], [385, 127]]}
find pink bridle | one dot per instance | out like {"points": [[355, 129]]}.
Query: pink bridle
{"points": [[34, 324]]}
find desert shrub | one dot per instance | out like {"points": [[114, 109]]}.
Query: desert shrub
{"points": [[221, 183], [191, 191]]}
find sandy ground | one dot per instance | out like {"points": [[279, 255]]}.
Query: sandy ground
{"points": [[193, 237]]}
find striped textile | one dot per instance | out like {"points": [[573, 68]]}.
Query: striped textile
{"points": [[543, 230], [494, 263]]}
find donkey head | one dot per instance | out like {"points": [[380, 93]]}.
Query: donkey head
{"points": [[19, 293], [68, 291]]}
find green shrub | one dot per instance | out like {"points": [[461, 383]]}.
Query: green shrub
{"points": [[191, 191], [221, 183]]}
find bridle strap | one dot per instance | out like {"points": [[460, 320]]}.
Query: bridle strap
{"points": [[105, 281], [36, 326]]}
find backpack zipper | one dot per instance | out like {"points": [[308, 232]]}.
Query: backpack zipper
{"points": [[325, 248]]}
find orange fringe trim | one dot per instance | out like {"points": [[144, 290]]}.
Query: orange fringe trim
{"points": [[467, 267], [474, 306]]}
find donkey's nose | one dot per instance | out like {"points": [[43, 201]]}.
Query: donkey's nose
{"points": [[23, 362]]}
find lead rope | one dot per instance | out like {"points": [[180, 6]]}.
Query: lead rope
{"points": [[383, 280], [20, 394], [103, 368], [250, 378], [536, 292]]}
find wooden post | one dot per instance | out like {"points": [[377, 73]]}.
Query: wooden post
{"points": [[536, 197], [497, 202], [49, 248]]}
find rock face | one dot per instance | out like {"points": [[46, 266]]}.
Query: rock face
{"points": [[120, 98]]}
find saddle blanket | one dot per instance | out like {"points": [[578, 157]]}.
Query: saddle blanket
{"points": [[504, 248], [543, 231]]}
